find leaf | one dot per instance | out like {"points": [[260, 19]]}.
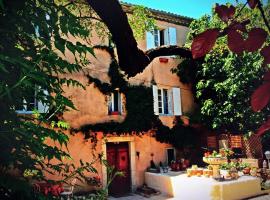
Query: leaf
{"points": [[253, 3], [241, 26], [225, 13], [71, 47], [255, 40], [1, 4], [235, 41], [265, 52], [204, 42], [260, 97], [60, 45], [263, 128]]}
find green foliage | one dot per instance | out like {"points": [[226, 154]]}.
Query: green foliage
{"points": [[140, 21], [179, 136], [139, 104], [31, 34], [225, 81], [140, 116]]}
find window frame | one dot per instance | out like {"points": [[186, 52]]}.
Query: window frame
{"points": [[37, 104], [162, 101], [111, 109], [167, 157], [161, 36], [25, 103]]}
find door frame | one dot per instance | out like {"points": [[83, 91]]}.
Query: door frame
{"points": [[132, 157]]}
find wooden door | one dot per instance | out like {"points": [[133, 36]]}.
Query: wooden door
{"points": [[118, 156]]}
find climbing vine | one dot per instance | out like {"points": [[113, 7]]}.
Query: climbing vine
{"points": [[140, 117]]}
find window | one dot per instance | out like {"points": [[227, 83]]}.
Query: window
{"points": [[115, 103], [167, 101], [170, 155], [161, 37], [30, 103], [163, 101]]}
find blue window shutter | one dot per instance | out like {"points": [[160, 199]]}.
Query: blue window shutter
{"points": [[172, 36], [150, 40], [166, 37]]}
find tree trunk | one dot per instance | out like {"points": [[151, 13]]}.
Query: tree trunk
{"points": [[132, 60]]}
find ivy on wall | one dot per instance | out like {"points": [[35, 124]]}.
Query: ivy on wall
{"points": [[140, 116]]}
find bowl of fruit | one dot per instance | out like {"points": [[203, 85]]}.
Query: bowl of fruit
{"points": [[214, 159]]}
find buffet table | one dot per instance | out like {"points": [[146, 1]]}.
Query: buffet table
{"points": [[177, 184]]}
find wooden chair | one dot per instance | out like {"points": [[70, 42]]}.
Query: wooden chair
{"points": [[68, 191]]}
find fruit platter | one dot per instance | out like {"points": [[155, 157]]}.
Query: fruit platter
{"points": [[215, 159]]}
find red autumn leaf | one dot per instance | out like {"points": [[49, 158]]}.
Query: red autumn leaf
{"points": [[225, 13], [235, 41], [263, 128], [253, 3], [260, 97], [241, 26], [255, 40], [204, 42], [265, 52], [266, 76]]}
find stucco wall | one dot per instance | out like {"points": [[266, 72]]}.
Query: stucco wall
{"points": [[81, 149], [92, 106]]}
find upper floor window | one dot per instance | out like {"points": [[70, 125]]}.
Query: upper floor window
{"points": [[167, 101], [115, 103], [30, 103], [161, 37]]}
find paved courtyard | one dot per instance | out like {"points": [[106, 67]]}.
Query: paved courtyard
{"points": [[164, 197]]}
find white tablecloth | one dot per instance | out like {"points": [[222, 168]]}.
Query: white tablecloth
{"points": [[202, 188]]}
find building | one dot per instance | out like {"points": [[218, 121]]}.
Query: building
{"points": [[132, 153]]}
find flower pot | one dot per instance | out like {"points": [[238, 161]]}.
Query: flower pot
{"points": [[185, 121], [224, 172], [115, 113], [163, 60], [246, 170]]}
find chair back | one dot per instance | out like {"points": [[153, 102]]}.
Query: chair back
{"points": [[72, 184]]}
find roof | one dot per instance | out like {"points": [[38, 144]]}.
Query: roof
{"points": [[161, 15]]}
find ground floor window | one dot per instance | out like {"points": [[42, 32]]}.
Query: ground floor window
{"points": [[170, 155]]}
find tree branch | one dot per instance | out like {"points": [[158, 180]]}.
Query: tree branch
{"points": [[89, 17], [168, 51], [263, 15], [132, 60]]}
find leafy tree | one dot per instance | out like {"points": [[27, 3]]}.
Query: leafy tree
{"points": [[32, 44], [226, 80]]}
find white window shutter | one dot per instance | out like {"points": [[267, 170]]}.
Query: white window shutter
{"points": [[112, 102], [172, 36], [177, 109], [155, 99], [170, 105], [150, 40], [109, 103], [166, 37], [119, 102], [41, 107]]}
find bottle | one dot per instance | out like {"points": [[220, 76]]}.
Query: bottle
{"points": [[264, 164]]}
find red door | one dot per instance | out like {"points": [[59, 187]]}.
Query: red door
{"points": [[118, 156]]}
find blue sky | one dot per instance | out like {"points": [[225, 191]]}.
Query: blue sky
{"points": [[189, 8]]}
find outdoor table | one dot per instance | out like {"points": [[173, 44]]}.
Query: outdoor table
{"points": [[197, 188]]}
